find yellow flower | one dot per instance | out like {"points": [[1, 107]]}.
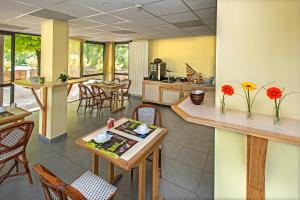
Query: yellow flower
{"points": [[249, 86]]}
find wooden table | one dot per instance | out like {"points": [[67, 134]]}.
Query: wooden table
{"points": [[43, 104], [116, 88], [136, 156], [258, 130], [19, 114]]}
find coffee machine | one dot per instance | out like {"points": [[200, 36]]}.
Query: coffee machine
{"points": [[157, 70]]}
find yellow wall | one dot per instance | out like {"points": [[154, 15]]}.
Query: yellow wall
{"points": [[198, 52], [258, 41]]}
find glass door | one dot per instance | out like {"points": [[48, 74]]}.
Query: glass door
{"points": [[6, 68]]}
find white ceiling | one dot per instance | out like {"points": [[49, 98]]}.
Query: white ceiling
{"points": [[98, 19]]}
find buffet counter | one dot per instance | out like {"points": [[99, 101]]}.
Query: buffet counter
{"points": [[168, 93]]}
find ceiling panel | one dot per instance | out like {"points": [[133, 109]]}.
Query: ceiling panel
{"points": [[196, 29], [31, 19], [153, 21], [41, 3], [180, 17], [166, 7], [209, 21], [84, 22], [10, 9], [206, 13], [74, 9], [106, 5], [105, 19], [201, 4], [132, 13]]}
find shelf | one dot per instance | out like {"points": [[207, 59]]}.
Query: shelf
{"points": [[260, 126]]}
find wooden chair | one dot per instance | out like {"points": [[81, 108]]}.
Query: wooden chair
{"points": [[87, 187], [126, 89], [85, 94], [149, 114], [101, 97], [13, 142]]}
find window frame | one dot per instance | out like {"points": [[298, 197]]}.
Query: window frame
{"points": [[122, 74], [81, 68]]}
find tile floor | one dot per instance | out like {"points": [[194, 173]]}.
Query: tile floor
{"points": [[188, 158]]}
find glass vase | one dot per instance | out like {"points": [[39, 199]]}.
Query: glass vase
{"points": [[276, 116], [249, 112], [222, 107]]}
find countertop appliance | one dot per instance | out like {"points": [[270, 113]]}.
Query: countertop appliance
{"points": [[157, 69]]}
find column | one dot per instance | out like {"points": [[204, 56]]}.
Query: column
{"points": [[54, 60], [109, 63]]}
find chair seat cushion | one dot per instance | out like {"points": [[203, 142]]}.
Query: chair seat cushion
{"points": [[92, 187]]}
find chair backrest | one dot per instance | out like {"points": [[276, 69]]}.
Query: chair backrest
{"points": [[54, 187], [84, 91], [14, 138], [127, 86], [147, 113], [98, 92], [116, 80]]}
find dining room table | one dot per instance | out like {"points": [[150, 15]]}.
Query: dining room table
{"points": [[116, 90], [12, 114], [127, 148]]}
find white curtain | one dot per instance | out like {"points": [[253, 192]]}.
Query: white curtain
{"points": [[138, 65]]}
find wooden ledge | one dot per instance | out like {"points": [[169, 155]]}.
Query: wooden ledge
{"points": [[260, 126]]}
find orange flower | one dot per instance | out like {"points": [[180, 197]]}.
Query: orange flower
{"points": [[274, 93], [228, 90]]}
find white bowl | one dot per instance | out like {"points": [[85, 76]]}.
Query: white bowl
{"points": [[102, 137]]}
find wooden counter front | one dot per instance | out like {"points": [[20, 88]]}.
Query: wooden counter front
{"points": [[168, 93]]}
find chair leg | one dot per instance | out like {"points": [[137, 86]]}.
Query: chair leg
{"points": [[17, 165], [79, 105], [129, 100], [87, 102], [25, 162]]}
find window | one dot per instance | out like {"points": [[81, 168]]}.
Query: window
{"points": [[121, 60], [74, 58], [93, 58]]}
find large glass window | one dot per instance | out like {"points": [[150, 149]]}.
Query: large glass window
{"points": [[121, 60], [74, 58], [27, 65], [93, 58], [28, 56], [6, 63]]}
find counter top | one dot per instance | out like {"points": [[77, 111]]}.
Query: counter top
{"points": [[260, 126], [183, 85]]}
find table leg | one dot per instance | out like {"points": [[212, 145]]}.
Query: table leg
{"points": [[95, 164], [111, 173], [155, 174], [142, 180], [256, 161], [69, 88], [44, 111]]}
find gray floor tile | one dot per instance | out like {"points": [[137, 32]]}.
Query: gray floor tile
{"points": [[191, 157], [184, 175], [199, 144], [170, 150], [206, 186]]}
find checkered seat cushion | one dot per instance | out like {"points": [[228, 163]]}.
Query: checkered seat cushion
{"points": [[92, 187], [146, 115], [10, 140]]}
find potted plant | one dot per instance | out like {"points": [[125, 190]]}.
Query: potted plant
{"points": [[63, 77]]}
